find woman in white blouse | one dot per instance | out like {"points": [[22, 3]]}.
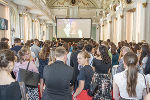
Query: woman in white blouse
{"points": [[129, 84]]}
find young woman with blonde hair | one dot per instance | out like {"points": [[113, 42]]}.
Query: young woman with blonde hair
{"points": [[84, 78]]}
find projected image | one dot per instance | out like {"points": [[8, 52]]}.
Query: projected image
{"points": [[73, 28]]}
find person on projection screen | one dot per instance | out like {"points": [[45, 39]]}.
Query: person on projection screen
{"points": [[72, 30]]}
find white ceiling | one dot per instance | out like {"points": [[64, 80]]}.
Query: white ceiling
{"points": [[26, 3], [31, 8]]}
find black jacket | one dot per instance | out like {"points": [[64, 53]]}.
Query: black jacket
{"points": [[57, 77]]}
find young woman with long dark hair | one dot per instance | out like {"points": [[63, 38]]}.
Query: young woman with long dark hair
{"points": [[129, 83], [102, 66]]}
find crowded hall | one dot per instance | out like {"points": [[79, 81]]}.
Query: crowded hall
{"points": [[74, 49]]}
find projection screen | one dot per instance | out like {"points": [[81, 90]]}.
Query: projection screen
{"points": [[73, 28]]}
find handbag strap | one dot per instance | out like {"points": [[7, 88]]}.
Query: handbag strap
{"points": [[145, 83], [28, 65]]}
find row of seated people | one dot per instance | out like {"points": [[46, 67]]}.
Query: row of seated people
{"points": [[89, 61]]}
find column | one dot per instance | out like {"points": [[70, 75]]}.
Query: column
{"points": [[147, 26], [54, 30], [109, 22], [34, 26], [114, 28], [141, 20], [97, 32], [120, 16], [21, 21], [51, 32], [102, 29], [47, 31]]}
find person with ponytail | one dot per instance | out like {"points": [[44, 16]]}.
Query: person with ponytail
{"points": [[129, 83]]}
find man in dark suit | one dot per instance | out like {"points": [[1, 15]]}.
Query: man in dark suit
{"points": [[57, 77], [74, 62]]}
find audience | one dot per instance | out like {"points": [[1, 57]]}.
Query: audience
{"points": [[69, 67]]}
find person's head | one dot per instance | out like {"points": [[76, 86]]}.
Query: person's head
{"points": [[44, 53], [36, 42], [7, 58], [17, 41], [113, 49], [88, 48], [105, 43], [125, 50], [130, 62], [4, 45], [24, 54], [108, 40], [103, 52], [74, 25], [4, 40], [61, 54], [136, 47], [28, 43], [80, 46], [83, 58]]}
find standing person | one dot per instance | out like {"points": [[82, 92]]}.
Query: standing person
{"points": [[24, 58], [35, 48], [43, 61], [84, 77], [74, 62], [57, 77], [17, 46], [130, 84], [102, 66], [9, 88]]}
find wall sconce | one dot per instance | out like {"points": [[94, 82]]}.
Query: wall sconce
{"points": [[144, 5], [20, 15], [121, 16], [132, 10], [110, 22]]}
